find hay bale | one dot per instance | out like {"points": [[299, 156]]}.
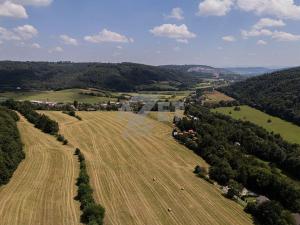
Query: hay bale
{"points": [[169, 210]]}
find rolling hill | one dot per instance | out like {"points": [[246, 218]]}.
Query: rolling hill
{"points": [[277, 93], [109, 76]]}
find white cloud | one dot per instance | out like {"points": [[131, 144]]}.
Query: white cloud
{"points": [[19, 34], [176, 13], [261, 42], [229, 38], [56, 49], [267, 22], [68, 40], [284, 36], [108, 36], [256, 33], [30, 2], [285, 9], [215, 7], [26, 31], [9, 9], [35, 45], [180, 33]]}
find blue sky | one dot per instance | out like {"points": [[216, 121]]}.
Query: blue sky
{"points": [[211, 32]]}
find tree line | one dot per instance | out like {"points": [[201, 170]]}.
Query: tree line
{"points": [[92, 213], [232, 148], [41, 121], [11, 148]]}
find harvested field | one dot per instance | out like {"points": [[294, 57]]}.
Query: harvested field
{"points": [[42, 190], [217, 96], [142, 176]]}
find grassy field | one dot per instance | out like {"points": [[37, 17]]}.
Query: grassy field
{"points": [[217, 96], [125, 152], [68, 95], [288, 131], [42, 189], [161, 95]]}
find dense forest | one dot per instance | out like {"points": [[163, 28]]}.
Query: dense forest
{"points": [[277, 93], [109, 76], [245, 153], [11, 149]]}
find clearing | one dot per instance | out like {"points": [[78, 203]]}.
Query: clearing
{"points": [[42, 189], [137, 172], [287, 130], [216, 96]]}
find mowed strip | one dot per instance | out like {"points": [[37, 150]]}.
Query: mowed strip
{"points": [[137, 171], [42, 190]]}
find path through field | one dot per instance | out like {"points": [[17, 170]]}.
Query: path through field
{"points": [[42, 190], [137, 171]]}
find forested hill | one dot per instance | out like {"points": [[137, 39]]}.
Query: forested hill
{"points": [[119, 77], [277, 93]]}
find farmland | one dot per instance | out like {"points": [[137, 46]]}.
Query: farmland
{"points": [[216, 96], [138, 171], [70, 95], [42, 189], [287, 130]]}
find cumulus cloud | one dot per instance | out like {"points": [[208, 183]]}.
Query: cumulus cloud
{"points": [[20, 33], [180, 33], [68, 40], [108, 36], [285, 9], [267, 22], [7, 35], [30, 2], [176, 13], [229, 38], [256, 33], [56, 49], [9, 9], [26, 31], [215, 7], [284, 36], [261, 42]]}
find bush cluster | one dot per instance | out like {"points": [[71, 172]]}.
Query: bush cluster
{"points": [[92, 212]]}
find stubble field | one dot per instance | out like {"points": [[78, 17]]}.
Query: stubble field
{"points": [[42, 189], [137, 172]]}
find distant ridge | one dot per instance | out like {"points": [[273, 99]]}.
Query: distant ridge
{"points": [[109, 76]]}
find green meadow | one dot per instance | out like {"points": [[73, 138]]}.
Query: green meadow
{"points": [[287, 130]]}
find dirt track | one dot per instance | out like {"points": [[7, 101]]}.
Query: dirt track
{"points": [[42, 189], [124, 152]]}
